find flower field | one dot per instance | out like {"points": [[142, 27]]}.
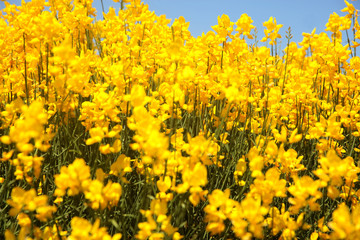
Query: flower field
{"points": [[125, 126]]}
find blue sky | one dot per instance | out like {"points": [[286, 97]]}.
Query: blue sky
{"points": [[300, 15]]}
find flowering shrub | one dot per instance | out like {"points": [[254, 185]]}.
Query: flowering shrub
{"points": [[129, 127]]}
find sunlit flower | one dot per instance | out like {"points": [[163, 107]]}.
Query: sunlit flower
{"points": [[73, 179]]}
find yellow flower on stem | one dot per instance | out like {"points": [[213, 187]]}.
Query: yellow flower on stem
{"points": [[121, 166], [244, 26], [283, 221], [294, 137], [271, 31], [147, 227], [256, 162], [268, 188], [282, 136], [73, 179], [305, 192], [224, 27], [28, 200], [350, 9], [220, 208], [193, 177], [240, 170], [21, 199]]}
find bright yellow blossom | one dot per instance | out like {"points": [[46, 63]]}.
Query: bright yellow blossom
{"points": [[73, 179]]}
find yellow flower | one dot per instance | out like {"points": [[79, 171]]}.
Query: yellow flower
{"points": [[305, 192], [64, 53], [254, 213], [244, 25], [289, 160], [112, 193], [345, 225], [21, 199], [96, 135], [349, 8], [83, 229], [224, 27], [281, 137], [197, 194], [271, 30], [201, 149], [294, 137], [283, 221], [121, 166], [271, 186], [74, 179], [44, 213], [337, 23], [219, 209], [9, 235], [334, 129], [195, 177], [94, 194], [146, 228], [317, 131], [215, 227], [138, 96], [333, 170], [158, 207], [28, 200], [30, 126], [24, 220], [240, 170], [256, 162], [164, 184], [271, 149]]}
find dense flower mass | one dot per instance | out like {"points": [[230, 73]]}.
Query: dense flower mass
{"points": [[131, 128]]}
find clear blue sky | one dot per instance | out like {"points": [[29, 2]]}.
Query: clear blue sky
{"points": [[301, 15]]}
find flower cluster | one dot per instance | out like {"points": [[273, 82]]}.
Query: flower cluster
{"points": [[130, 127]]}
